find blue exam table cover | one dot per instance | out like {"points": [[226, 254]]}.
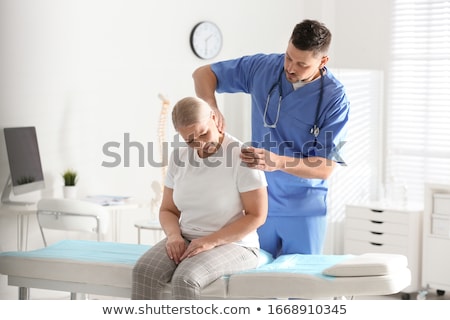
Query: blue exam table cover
{"points": [[89, 251], [124, 253]]}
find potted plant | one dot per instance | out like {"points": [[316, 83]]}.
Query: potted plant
{"points": [[70, 178]]}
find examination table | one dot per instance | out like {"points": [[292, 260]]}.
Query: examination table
{"points": [[105, 268]]}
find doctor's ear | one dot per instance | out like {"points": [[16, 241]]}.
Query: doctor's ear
{"points": [[323, 61]]}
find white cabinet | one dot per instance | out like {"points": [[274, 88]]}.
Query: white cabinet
{"points": [[376, 227], [436, 238]]}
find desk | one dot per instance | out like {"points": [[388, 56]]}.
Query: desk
{"points": [[115, 211], [155, 226], [23, 213]]}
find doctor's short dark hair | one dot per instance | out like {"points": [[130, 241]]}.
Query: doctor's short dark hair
{"points": [[311, 35]]}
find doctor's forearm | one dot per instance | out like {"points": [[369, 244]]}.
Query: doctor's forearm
{"points": [[205, 83], [308, 168]]}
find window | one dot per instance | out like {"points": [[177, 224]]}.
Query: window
{"points": [[357, 181], [418, 105]]}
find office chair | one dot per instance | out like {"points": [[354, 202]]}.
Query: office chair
{"points": [[72, 215]]}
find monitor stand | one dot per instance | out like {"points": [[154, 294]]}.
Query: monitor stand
{"points": [[6, 194]]}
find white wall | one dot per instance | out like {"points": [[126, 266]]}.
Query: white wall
{"points": [[88, 72], [85, 72]]}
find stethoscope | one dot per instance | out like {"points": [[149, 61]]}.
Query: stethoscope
{"points": [[315, 130]]}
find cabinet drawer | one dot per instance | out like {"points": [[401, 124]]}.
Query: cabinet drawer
{"points": [[441, 203], [377, 226], [360, 247], [378, 215], [437, 264], [440, 225], [377, 237]]}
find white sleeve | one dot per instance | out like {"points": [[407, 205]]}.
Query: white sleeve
{"points": [[250, 179], [170, 173]]}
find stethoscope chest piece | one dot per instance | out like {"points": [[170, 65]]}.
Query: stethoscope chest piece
{"points": [[315, 131]]}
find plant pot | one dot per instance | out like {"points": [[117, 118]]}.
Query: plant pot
{"points": [[70, 192]]}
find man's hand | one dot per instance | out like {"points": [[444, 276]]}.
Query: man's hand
{"points": [[175, 247], [196, 246]]}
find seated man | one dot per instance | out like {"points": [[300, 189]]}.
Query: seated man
{"points": [[211, 208]]}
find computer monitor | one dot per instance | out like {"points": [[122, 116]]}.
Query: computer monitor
{"points": [[25, 166]]}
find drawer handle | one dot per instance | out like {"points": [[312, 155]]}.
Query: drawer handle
{"points": [[375, 221], [376, 244], [377, 233], [376, 210]]}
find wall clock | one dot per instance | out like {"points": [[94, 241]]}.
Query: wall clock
{"points": [[206, 40]]}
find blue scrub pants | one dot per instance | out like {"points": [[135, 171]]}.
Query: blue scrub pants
{"points": [[288, 235]]}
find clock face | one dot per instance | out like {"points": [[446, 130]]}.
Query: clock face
{"points": [[206, 40]]}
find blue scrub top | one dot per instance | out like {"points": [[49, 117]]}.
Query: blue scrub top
{"points": [[258, 75]]}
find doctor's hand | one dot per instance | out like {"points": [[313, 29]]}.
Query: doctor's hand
{"points": [[219, 119], [261, 159], [175, 248]]}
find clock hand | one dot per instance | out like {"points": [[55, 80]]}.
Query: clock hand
{"points": [[206, 43]]}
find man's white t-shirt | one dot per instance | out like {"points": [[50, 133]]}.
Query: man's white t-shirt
{"points": [[207, 190]]}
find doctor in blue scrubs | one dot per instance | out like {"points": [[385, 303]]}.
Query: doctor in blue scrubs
{"points": [[299, 121]]}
